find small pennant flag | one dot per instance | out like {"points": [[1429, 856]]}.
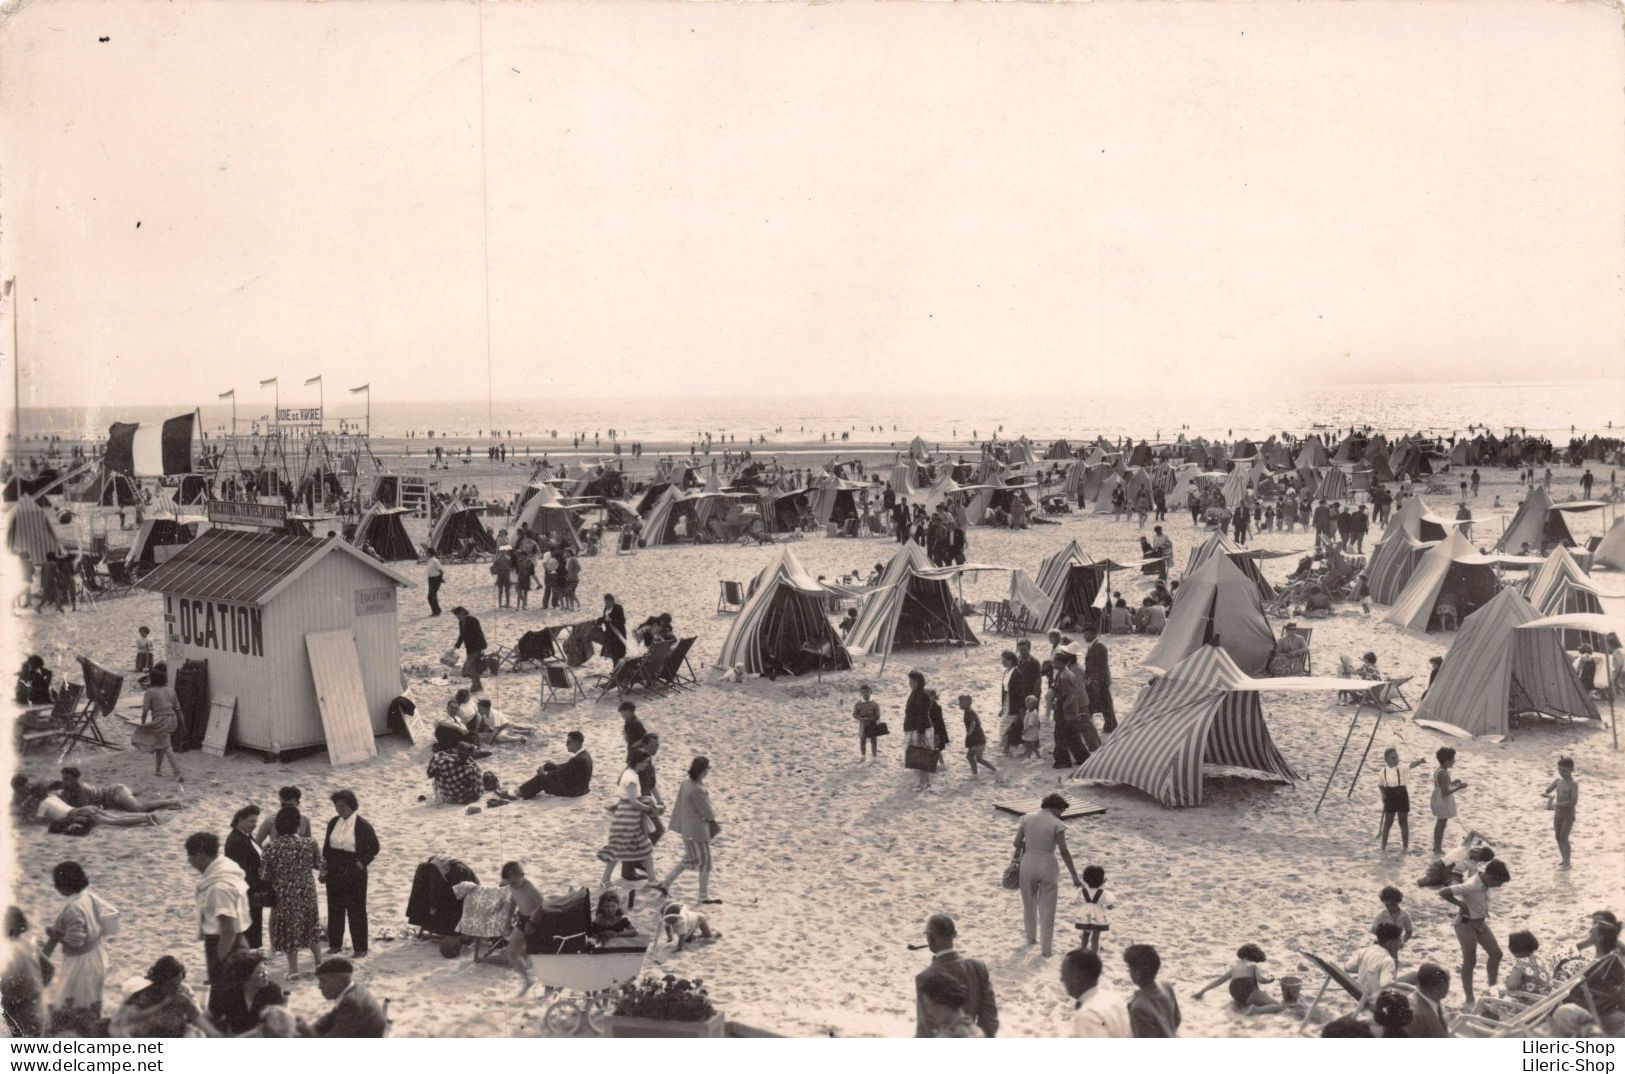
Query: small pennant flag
{"points": [[358, 391], [313, 380], [263, 383], [232, 394]]}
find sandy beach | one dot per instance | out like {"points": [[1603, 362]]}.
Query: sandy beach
{"points": [[828, 867]]}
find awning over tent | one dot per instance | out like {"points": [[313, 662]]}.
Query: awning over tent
{"points": [[1203, 717], [1494, 669], [1450, 573], [783, 621]]}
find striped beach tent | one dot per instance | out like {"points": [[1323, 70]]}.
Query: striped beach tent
{"points": [[1071, 582], [835, 499], [1450, 573], [1245, 563], [29, 532], [782, 621], [1235, 487], [1494, 670], [660, 524], [380, 531], [1216, 601], [1561, 587], [1313, 455], [913, 604], [543, 512], [1537, 523], [1334, 484], [1410, 532], [1202, 718], [458, 524]]}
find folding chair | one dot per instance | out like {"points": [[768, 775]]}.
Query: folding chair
{"points": [[731, 598], [534, 647], [654, 662], [557, 679], [1529, 1019], [43, 725], [990, 614], [1307, 634], [672, 673], [1334, 975], [102, 689], [626, 676]]}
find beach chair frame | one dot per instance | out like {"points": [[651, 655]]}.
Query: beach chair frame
{"points": [[559, 678], [43, 725], [672, 673], [730, 597]]}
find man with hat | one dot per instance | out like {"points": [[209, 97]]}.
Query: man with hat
{"points": [[355, 1012], [971, 975]]}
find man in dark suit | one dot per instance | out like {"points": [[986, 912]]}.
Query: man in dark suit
{"points": [[1024, 680], [355, 1012], [470, 639], [1097, 677], [568, 780], [347, 851], [1427, 1010], [940, 932]]}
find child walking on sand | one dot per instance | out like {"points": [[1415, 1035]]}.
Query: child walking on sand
{"points": [[975, 740], [143, 651], [1093, 918], [1562, 795], [1029, 730]]}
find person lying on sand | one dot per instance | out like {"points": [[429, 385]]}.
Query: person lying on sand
{"points": [[43, 805], [116, 796]]}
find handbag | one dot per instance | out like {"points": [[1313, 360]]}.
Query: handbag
{"points": [[261, 898], [879, 729], [1011, 880], [921, 758], [449, 658]]}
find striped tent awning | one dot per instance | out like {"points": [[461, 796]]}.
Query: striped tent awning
{"points": [[29, 532], [1204, 713]]}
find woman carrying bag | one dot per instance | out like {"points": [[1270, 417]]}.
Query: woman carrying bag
{"points": [[924, 732]]}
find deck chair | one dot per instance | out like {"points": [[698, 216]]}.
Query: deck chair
{"points": [[731, 598], [558, 680], [1308, 636], [626, 544], [677, 673], [535, 647], [624, 677], [41, 726], [654, 662], [102, 689], [1530, 1018], [1334, 975], [992, 614]]}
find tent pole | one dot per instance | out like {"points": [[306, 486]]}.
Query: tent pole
{"points": [[1339, 762], [1361, 767], [1608, 667]]}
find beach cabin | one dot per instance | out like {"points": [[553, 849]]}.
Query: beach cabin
{"points": [[299, 632]]}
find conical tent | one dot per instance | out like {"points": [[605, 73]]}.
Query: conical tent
{"points": [[1103, 498], [1334, 484], [457, 525], [1450, 573], [1071, 582], [1203, 716], [783, 619], [835, 500], [913, 604], [1561, 587], [380, 531], [1376, 460], [1059, 450], [1410, 532], [1217, 601], [1537, 523], [1493, 670], [918, 451], [544, 513], [1218, 542], [1611, 552], [1021, 453], [660, 524], [1235, 487], [1312, 455], [29, 532]]}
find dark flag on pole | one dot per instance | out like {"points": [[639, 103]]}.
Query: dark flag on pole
{"points": [[144, 449]]}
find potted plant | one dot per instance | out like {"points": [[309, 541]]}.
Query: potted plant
{"points": [[668, 1006]]}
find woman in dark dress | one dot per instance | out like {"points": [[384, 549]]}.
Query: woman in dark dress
{"points": [[247, 991], [241, 848], [613, 625]]}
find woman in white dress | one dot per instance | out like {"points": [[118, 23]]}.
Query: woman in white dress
{"points": [[84, 923]]}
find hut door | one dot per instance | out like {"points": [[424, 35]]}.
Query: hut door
{"points": [[336, 668]]}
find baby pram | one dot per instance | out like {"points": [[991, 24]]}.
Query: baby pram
{"points": [[566, 958], [432, 905]]}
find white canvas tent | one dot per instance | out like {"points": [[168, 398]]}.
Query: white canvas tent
{"points": [[1216, 601]]}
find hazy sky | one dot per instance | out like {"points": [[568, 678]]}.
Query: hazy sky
{"points": [[781, 197]]}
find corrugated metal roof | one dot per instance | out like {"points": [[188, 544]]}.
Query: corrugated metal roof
{"points": [[246, 567]]}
